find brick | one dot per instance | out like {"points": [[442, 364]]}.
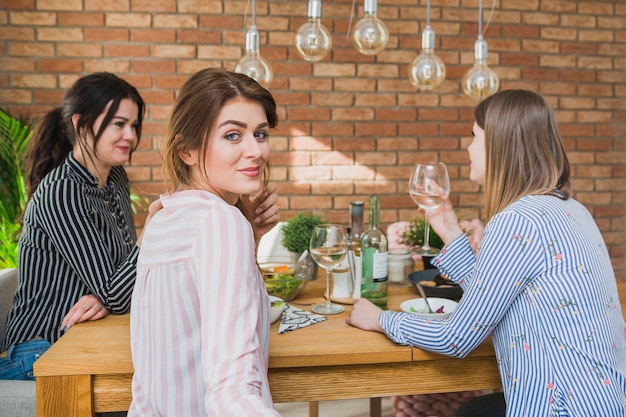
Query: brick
{"points": [[34, 81], [335, 70], [352, 114], [125, 50], [173, 51], [308, 113], [175, 21], [108, 35], [14, 95], [17, 34], [329, 99], [111, 65], [141, 20], [153, 35], [79, 50], [107, 5], [80, 19], [159, 6], [197, 6], [17, 64], [214, 52], [211, 37], [22, 18], [59, 65], [333, 128]]}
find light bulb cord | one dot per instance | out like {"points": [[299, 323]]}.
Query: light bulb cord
{"points": [[254, 12], [428, 14], [480, 18]]}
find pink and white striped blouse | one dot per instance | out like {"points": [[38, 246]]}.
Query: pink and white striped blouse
{"points": [[199, 314]]}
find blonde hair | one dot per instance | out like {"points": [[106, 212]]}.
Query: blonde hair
{"points": [[524, 150], [195, 111]]}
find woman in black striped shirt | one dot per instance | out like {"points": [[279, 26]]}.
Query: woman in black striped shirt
{"points": [[77, 249]]}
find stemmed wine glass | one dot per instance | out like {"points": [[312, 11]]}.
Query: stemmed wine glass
{"points": [[427, 182], [328, 248]]}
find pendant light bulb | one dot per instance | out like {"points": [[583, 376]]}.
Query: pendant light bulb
{"points": [[480, 81], [427, 71], [252, 63], [313, 41], [370, 34]]}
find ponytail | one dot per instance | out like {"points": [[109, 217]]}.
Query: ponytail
{"points": [[49, 146]]}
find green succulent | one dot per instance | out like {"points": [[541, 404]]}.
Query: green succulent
{"points": [[297, 231]]}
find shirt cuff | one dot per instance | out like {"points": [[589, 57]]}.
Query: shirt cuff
{"points": [[456, 260]]}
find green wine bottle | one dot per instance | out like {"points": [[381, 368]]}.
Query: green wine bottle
{"points": [[374, 258]]}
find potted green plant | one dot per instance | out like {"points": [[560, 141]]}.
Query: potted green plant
{"points": [[414, 234], [296, 232], [296, 235], [14, 137]]}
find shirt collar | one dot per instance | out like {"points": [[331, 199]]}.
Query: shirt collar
{"points": [[80, 171]]}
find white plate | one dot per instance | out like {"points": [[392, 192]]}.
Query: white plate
{"points": [[418, 306], [277, 309]]}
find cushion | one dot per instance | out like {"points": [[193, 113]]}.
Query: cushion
{"points": [[8, 284], [17, 399]]}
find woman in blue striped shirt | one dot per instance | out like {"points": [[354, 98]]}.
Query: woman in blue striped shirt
{"points": [[541, 283]]}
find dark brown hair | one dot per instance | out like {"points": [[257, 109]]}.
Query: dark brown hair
{"points": [[55, 134]]}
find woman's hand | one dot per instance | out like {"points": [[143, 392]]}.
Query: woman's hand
{"points": [[261, 210], [365, 315], [444, 220], [88, 307]]}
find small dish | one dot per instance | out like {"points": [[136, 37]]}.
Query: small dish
{"points": [[277, 307], [435, 285], [418, 307], [280, 281]]}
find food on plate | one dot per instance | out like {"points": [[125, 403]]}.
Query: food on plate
{"points": [[425, 310]]}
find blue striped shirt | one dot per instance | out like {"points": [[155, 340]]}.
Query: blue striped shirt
{"points": [[76, 239], [543, 286]]}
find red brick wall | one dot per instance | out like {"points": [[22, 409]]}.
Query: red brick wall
{"points": [[351, 125]]}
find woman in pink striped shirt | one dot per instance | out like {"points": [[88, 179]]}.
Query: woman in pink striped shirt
{"points": [[200, 311]]}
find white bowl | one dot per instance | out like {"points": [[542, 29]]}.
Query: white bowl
{"points": [[277, 307], [418, 306]]}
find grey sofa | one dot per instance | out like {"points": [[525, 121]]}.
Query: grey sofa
{"points": [[17, 398]]}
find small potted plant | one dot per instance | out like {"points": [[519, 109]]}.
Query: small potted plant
{"points": [[297, 232], [414, 236]]}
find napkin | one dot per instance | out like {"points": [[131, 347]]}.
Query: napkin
{"points": [[295, 318]]}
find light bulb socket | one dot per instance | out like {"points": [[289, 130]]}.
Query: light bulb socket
{"points": [[480, 49], [370, 6], [252, 40], [315, 9], [428, 38]]}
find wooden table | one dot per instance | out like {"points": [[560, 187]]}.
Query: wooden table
{"points": [[90, 369]]}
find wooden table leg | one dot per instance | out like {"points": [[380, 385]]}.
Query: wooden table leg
{"points": [[69, 395], [376, 408], [313, 408]]}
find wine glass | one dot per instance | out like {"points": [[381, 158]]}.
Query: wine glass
{"points": [[427, 182], [328, 248]]}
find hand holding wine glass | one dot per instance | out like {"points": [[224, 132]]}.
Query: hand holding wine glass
{"points": [[328, 248], [427, 182]]}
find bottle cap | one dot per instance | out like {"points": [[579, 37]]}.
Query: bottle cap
{"points": [[356, 208]]}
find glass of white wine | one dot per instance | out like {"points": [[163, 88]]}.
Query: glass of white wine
{"points": [[328, 248], [425, 186]]}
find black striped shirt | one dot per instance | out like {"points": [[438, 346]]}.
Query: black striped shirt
{"points": [[76, 239]]}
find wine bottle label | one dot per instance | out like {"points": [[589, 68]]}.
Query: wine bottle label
{"points": [[380, 267]]}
